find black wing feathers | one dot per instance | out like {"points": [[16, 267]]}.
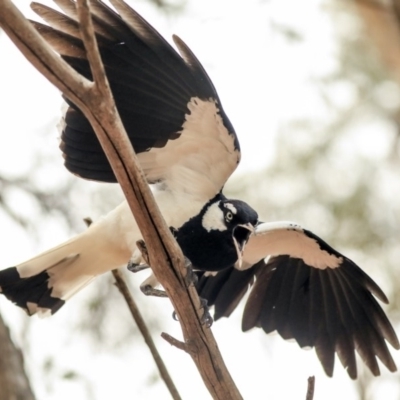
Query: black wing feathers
{"points": [[332, 310], [26, 291], [151, 84], [343, 336], [224, 290]]}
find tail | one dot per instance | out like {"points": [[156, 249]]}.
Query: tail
{"points": [[42, 284]]}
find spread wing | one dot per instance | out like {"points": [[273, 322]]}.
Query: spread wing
{"points": [[167, 102], [309, 292]]}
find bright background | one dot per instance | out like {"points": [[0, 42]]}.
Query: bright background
{"points": [[286, 77]]}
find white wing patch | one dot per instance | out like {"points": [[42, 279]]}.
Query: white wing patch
{"points": [[201, 159], [213, 218], [287, 238]]}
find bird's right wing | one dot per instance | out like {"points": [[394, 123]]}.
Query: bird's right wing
{"points": [[309, 292], [167, 103]]}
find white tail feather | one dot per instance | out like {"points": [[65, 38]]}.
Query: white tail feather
{"points": [[73, 264]]}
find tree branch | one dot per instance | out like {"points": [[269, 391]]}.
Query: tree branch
{"points": [[177, 343], [14, 383], [141, 324], [166, 258], [310, 388]]}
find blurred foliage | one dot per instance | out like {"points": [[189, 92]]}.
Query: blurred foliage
{"points": [[44, 202], [106, 319], [170, 7], [338, 175], [324, 176], [289, 33], [53, 373]]}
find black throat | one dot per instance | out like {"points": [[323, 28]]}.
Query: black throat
{"points": [[208, 250]]}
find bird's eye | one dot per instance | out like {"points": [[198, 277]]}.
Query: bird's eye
{"points": [[229, 216]]}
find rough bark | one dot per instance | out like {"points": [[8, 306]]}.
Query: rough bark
{"points": [[14, 384]]}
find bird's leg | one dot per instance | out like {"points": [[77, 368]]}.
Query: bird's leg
{"points": [[206, 318], [135, 264], [148, 287], [142, 253], [133, 267], [191, 276], [141, 245]]}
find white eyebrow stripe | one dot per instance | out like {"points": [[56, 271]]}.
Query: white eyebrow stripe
{"points": [[231, 207]]}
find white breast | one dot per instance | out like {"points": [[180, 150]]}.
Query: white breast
{"points": [[122, 227]]}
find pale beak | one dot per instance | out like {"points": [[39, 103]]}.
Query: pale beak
{"points": [[241, 235]]}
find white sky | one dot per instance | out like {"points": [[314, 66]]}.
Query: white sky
{"points": [[262, 81]]}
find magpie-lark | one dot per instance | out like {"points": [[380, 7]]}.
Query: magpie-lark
{"points": [[300, 286]]}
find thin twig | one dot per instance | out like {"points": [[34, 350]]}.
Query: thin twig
{"points": [[175, 342], [310, 388], [90, 43], [123, 288], [166, 258]]}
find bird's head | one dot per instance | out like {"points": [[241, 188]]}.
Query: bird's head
{"points": [[241, 219], [234, 216]]}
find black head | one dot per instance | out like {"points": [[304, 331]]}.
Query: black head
{"points": [[234, 216], [241, 218], [237, 212]]}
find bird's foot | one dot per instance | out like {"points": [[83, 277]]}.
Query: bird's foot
{"points": [[141, 245], [149, 290], [191, 276], [206, 319], [134, 267]]}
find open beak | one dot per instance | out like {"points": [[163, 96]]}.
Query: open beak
{"points": [[241, 235]]}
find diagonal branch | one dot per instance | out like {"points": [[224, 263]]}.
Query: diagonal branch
{"points": [[95, 101], [137, 316]]}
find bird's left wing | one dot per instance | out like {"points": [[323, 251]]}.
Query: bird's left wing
{"points": [[166, 101], [309, 292]]}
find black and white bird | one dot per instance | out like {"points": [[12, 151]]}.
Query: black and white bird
{"points": [[300, 286]]}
